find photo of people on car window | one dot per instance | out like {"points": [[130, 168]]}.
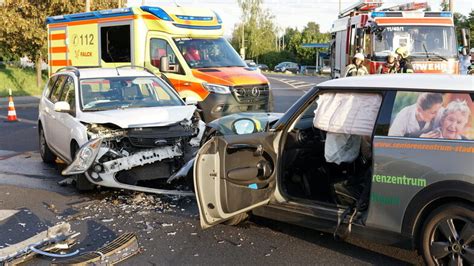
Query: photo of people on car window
{"points": [[433, 115]]}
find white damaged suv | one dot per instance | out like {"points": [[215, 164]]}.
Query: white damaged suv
{"points": [[118, 127]]}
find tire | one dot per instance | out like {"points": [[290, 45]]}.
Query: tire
{"points": [[46, 154], [447, 235], [236, 220], [81, 182]]}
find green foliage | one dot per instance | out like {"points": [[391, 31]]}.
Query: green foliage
{"points": [[403, 100], [310, 34], [258, 29], [22, 81], [271, 59]]}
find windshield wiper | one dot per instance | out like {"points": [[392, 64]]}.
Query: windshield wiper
{"points": [[428, 54], [95, 109]]}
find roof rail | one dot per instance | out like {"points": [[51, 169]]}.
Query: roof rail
{"points": [[70, 68], [134, 66]]}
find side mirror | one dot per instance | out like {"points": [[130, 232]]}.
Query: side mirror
{"points": [[190, 101], [164, 64], [62, 107], [166, 67], [244, 126]]}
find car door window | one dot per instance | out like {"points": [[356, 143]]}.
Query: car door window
{"points": [[160, 48], [56, 90], [433, 115], [50, 85], [69, 95]]}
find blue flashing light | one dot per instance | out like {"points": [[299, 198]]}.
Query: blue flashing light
{"points": [[219, 20], [378, 14], [158, 12], [446, 14], [89, 15], [194, 18]]}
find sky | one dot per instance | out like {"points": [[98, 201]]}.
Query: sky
{"points": [[291, 13]]}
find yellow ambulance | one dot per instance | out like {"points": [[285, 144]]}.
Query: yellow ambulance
{"points": [[185, 45]]}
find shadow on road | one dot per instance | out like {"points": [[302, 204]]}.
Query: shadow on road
{"points": [[368, 252]]}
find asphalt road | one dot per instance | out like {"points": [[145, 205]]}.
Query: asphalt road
{"points": [[167, 227]]}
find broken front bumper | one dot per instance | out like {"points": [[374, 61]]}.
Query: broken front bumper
{"points": [[103, 173]]}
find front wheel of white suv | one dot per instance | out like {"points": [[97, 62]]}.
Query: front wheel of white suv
{"points": [[46, 154]]}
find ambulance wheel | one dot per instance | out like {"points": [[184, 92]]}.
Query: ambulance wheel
{"points": [[46, 154]]}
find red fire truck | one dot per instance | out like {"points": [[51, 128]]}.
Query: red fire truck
{"points": [[365, 27]]}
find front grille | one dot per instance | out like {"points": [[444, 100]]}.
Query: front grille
{"points": [[157, 136], [251, 93]]}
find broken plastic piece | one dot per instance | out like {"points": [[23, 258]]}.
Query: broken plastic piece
{"points": [[58, 233], [53, 255], [116, 251]]}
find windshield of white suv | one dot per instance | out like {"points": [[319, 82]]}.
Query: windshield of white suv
{"points": [[421, 41], [207, 53], [101, 94]]}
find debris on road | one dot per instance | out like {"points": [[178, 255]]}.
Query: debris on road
{"points": [[46, 241], [120, 249]]}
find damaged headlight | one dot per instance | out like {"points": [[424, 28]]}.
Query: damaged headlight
{"points": [[84, 158]]}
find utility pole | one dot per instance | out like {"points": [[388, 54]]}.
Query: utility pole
{"points": [[451, 5], [242, 46], [339, 6], [88, 5]]}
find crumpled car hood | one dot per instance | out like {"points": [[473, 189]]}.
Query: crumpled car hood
{"points": [[140, 117]]}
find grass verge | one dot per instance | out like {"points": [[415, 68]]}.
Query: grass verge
{"points": [[22, 81]]}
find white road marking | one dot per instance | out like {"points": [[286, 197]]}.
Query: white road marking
{"points": [[5, 214], [295, 84]]}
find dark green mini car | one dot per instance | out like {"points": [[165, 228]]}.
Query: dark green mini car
{"points": [[388, 157]]}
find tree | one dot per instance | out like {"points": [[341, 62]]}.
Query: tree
{"points": [[258, 28], [22, 25], [310, 34]]}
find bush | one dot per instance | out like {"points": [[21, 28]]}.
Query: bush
{"points": [[271, 59]]}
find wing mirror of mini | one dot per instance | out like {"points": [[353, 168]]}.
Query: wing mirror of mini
{"points": [[244, 126]]}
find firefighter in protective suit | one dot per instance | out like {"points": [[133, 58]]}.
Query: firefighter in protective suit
{"points": [[390, 66], [356, 68], [404, 65]]}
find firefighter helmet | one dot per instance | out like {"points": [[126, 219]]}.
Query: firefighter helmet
{"points": [[402, 51], [359, 56]]}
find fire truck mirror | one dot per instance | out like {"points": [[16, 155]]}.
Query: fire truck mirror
{"points": [[377, 30]]}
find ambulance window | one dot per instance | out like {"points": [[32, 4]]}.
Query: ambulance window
{"points": [[160, 48], [115, 43]]}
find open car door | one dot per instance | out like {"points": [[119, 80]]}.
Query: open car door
{"points": [[234, 174]]}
